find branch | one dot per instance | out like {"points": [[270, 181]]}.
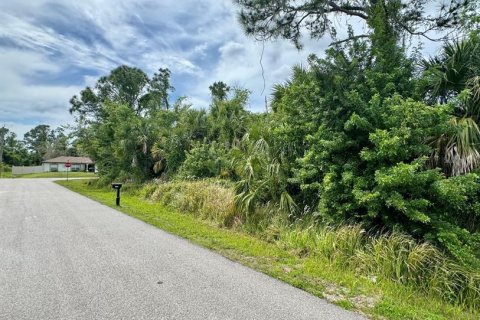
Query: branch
{"points": [[420, 33], [349, 10], [349, 39]]}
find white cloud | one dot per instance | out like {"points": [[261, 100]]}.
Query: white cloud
{"points": [[201, 42], [24, 105]]}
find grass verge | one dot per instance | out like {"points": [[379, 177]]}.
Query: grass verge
{"points": [[5, 175], [56, 175], [376, 298]]}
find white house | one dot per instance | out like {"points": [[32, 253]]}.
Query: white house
{"points": [[77, 164]]}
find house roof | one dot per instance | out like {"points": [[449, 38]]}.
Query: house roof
{"points": [[64, 159]]}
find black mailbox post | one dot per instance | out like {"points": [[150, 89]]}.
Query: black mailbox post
{"points": [[117, 186]]}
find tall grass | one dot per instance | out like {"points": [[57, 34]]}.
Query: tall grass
{"points": [[391, 256], [204, 199]]}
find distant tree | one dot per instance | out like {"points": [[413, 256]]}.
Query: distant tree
{"points": [[37, 141], [42, 143], [15, 153], [124, 86], [219, 90], [157, 95]]}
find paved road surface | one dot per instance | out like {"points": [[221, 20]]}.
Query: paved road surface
{"points": [[63, 256]]}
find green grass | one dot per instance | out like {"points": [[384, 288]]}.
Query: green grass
{"points": [[312, 273], [5, 175], [56, 175]]}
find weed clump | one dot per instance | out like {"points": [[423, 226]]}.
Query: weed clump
{"points": [[203, 199]]}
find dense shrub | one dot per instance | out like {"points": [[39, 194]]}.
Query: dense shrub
{"points": [[365, 157], [203, 161]]}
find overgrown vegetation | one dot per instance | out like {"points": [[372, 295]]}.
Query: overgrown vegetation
{"points": [[345, 142], [368, 157]]}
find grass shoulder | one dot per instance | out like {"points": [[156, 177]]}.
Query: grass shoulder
{"points": [[55, 175], [5, 175], [377, 299]]}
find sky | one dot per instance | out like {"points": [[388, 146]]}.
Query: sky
{"points": [[51, 49]]}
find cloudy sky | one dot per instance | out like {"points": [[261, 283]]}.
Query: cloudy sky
{"points": [[51, 49]]}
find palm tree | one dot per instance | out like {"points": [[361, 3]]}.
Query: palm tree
{"points": [[262, 178], [454, 77]]}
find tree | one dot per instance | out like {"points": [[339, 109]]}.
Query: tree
{"points": [[42, 143], [270, 19], [227, 117], [118, 120], [126, 86], [219, 90], [181, 129], [454, 77], [37, 141], [157, 92]]}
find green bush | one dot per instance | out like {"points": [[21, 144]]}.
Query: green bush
{"points": [[204, 160], [374, 170], [5, 168]]}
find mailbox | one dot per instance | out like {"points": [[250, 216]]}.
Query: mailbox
{"points": [[117, 186]]}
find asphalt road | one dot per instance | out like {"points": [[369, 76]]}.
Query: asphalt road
{"points": [[63, 256]]}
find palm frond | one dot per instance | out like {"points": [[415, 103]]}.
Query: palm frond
{"points": [[458, 153]]}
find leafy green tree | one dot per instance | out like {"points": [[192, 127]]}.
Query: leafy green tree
{"points": [[127, 86], [185, 127], [43, 143], [158, 92], [37, 141], [14, 151], [358, 151], [119, 121]]}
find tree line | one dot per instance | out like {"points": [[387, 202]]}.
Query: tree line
{"points": [[40, 143]]}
